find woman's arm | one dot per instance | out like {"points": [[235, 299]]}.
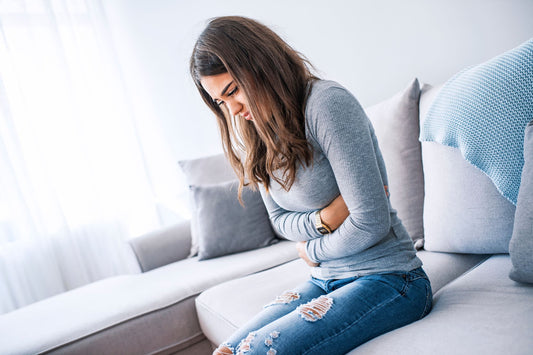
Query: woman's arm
{"points": [[333, 216], [340, 127], [300, 226], [335, 213], [295, 226]]}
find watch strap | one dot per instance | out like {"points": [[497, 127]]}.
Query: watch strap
{"points": [[320, 226]]}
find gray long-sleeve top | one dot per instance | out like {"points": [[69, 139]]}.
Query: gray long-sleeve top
{"points": [[347, 161]]}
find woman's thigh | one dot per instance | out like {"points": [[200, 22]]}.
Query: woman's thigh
{"points": [[337, 322]]}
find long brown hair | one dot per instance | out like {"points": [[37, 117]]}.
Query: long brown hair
{"points": [[275, 80]]}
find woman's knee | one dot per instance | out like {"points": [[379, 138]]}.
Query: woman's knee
{"points": [[223, 349]]}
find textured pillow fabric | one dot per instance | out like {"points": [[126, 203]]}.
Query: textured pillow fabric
{"points": [[204, 171], [463, 210], [396, 125], [483, 111], [521, 246], [224, 225]]}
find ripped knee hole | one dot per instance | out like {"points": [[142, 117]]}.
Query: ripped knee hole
{"points": [[315, 309]]}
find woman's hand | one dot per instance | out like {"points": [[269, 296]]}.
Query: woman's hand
{"points": [[300, 246], [335, 213]]}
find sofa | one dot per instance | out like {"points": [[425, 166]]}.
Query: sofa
{"points": [[475, 243], [472, 231]]}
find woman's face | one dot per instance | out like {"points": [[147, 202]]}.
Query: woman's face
{"points": [[224, 91]]}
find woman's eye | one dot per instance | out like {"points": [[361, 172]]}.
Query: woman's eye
{"points": [[219, 103], [233, 91]]}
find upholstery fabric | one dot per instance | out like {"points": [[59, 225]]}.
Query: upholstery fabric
{"points": [[224, 226], [521, 246], [396, 125], [204, 171], [483, 111], [482, 312], [137, 307], [455, 221], [219, 316], [163, 246]]}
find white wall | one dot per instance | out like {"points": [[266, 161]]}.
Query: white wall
{"points": [[372, 47]]}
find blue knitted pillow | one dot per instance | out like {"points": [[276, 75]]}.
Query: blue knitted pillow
{"points": [[483, 111]]}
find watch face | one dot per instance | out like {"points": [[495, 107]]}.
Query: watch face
{"points": [[323, 230]]}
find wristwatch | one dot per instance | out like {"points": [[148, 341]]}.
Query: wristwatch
{"points": [[321, 227]]}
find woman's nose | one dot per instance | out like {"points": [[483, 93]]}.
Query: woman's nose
{"points": [[234, 107]]}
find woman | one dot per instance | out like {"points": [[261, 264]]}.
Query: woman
{"points": [[308, 146]]}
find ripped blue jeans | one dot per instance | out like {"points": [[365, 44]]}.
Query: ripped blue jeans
{"points": [[333, 316]]}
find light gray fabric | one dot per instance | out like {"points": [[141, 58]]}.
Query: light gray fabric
{"points": [[207, 170], [482, 312], [202, 348], [442, 268], [224, 225], [204, 171], [219, 315], [88, 313], [396, 125], [463, 210], [168, 329], [521, 245], [162, 247], [346, 161]]}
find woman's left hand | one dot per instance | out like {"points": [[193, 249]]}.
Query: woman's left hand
{"points": [[302, 253]]}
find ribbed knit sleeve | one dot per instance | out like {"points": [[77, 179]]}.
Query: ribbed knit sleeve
{"points": [[295, 226], [343, 132]]}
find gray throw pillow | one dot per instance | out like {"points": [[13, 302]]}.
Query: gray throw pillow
{"points": [[521, 245], [463, 210], [204, 171], [224, 225], [396, 125]]}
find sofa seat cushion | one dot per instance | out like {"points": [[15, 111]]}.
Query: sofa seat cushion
{"points": [[130, 314], [482, 312], [220, 315], [442, 268]]}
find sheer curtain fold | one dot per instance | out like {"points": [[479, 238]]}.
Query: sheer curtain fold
{"points": [[80, 171]]}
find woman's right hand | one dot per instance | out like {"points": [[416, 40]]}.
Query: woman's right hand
{"points": [[302, 253], [335, 213]]}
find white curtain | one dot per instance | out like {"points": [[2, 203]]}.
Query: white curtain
{"points": [[80, 170]]}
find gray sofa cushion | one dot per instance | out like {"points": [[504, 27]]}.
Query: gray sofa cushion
{"points": [[204, 171], [521, 246], [482, 312], [224, 226], [220, 315], [130, 314], [397, 127], [463, 210]]}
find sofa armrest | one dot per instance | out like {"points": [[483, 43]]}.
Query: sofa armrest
{"points": [[163, 246]]}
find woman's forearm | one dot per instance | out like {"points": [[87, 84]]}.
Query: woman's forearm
{"points": [[335, 213]]}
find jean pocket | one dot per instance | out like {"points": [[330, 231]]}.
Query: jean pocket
{"points": [[416, 274]]}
